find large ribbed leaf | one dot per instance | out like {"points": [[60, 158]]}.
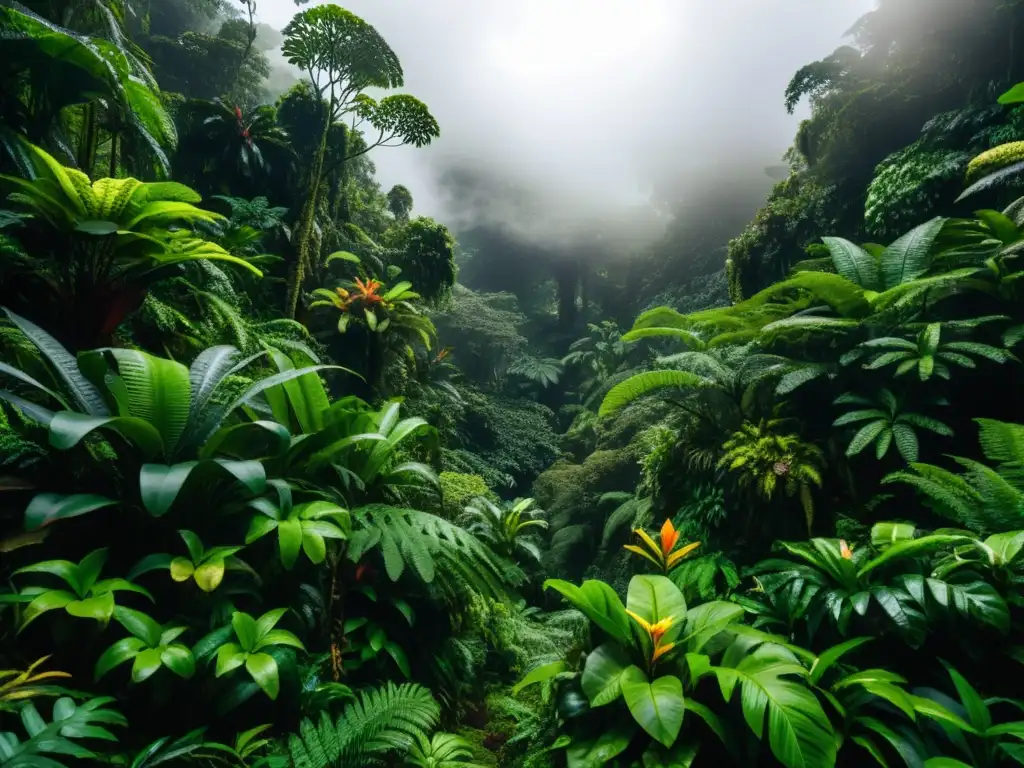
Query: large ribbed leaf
{"points": [[86, 395], [599, 603], [910, 256], [658, 705], [799, 732], [635, 387], [854, 263], [655, 598], [157, 391]]}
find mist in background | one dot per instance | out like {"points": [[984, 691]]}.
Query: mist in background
{"points": [[565, 118]]}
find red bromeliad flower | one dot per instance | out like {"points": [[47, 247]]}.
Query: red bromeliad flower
{"points": [[368, 291]]}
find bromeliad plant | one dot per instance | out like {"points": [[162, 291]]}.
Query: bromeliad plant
{"points": [[204, 566], [305, 527], [252, 639], [506, 529], [662, 553], [102, 244], [150, 647], [654, 656], [86, 596]]}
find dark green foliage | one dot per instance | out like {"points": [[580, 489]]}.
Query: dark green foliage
{"points": [[378, 721]]}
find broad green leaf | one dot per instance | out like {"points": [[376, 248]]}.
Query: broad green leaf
{"points": [[394, 650], [600, 752], [139, 624], [289, 539], [229, 656], [147, 662], [160, 484], [179, 660], [67, 429], [655, 598], [210, 574], [657, 706], [100, 608], [854, 263], [46, 508], [680, 756], [599, 603], [117, 654], [245, 629], [912, 548], [181, 569], [47, 601], [705, 621], [268, 621], [539, 675], [824, 662], [602, 673], [909, 257], [263, 669]]}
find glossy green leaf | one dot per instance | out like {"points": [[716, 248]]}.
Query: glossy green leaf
{"points": [[539, 675], [602, 674], [118, 653], [179, 660], [655, 598], [289, 539], [245, 629], [657, 706], [146, 664], [601, 751], [47, 508], [263, 669], [599, 603], [210, 574]]}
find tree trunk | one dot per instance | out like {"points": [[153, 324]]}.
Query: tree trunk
{"points": [[86, 155], [304, 232], [113, 155], [567, 278]]}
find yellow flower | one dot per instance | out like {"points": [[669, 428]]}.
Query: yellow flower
{"points": [[844, 550], [656, 632]]}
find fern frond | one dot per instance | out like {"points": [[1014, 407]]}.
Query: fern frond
{"points": [[381, 720], [641, 384], [432, 547]]}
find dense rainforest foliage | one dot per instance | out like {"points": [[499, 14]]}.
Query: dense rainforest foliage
{"points": [[290, 478]]}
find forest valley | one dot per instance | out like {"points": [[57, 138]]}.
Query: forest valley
{"points": [[289, 478]]}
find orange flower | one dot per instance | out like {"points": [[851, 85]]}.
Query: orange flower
{"points": [[844, 550], [669, 537], [656, 632], [662, 554], [368, 290]]}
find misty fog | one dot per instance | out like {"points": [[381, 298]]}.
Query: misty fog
{"points": [[557, 115]]}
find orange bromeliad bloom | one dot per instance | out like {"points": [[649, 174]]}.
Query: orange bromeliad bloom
{"points": [[368, 291], [661, 553], [656, 632], [844, 550]]}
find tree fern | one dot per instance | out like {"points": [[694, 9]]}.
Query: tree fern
{"points": [[431, 547], [381, 720], [984, 499], [646, 383]]}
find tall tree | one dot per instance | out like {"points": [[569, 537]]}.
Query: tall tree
{"points": [[343, 56]]}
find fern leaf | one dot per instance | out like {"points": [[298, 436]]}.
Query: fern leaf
{"points": [[854, 263], [642, 384]]}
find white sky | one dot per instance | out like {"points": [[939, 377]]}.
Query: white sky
{"points": [[588, 103]]}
